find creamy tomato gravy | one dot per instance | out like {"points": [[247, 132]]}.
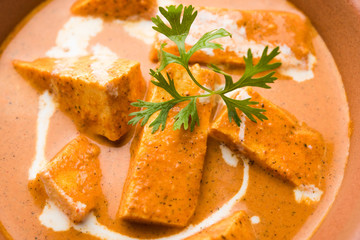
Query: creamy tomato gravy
{"points": [[320, 102]]}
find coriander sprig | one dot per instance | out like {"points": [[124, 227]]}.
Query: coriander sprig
{"points": [[177, 31]]}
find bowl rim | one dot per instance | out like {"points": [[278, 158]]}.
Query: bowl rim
{"points": [[338, 21]]}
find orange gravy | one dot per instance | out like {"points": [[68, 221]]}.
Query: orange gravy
{"points": [[320, 102]]}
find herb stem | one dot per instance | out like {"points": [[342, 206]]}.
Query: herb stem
{"points": [[177, 29], [196, 82]]}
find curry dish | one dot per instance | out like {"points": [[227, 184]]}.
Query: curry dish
{"points": [[73, 168]]}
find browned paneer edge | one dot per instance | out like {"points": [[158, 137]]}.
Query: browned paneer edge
{"points": [[97, 103], [72, 178], [289, 148], [163, 181], [271, 28], [118, 9], [236, 227]]}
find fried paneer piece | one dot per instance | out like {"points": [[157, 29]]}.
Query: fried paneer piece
{"points": [[282, 144], [94, 92], [237, 227], [163, 180], [250, 29], [119, 9], [72, 178]]}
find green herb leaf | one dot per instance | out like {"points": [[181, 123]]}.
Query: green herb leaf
{"points": [[167, 86], [228, 79], [179, 28], [180, 20], [167, 58], [243, 106], [262, 66], [204, 42], [186, 115], [178, 32], [247, 79], [149, 109], [162, 117]]}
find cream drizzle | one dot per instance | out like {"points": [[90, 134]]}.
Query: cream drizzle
{"points": [[299, 74], [64, 65], [104, 60], [46, 110], [52, 217], [307, 194], [142, 29], [223, 212], [73, 39], [92, 227], [242, 127], [298, 69], [255, 220], [228, 156], [243, 94]]}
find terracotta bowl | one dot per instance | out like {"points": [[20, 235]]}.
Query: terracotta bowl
{"points": [[338, 22]]}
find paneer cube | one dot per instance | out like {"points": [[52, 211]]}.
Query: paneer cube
{"points": [[250, 30], [236, 227], [120, 9], [163, 181], [291, 149], [95, 93], [72, 178]]}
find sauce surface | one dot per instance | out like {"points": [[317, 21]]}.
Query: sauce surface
{"points": [[320, 102]]}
